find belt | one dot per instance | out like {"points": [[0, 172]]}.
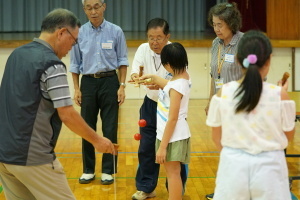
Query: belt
{"points": [[102, 74]]}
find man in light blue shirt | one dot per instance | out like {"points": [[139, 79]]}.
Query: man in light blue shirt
{"points": [[101, 50]]}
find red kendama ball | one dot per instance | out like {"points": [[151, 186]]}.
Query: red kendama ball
{"points": [[137, 136], [142, 123]]}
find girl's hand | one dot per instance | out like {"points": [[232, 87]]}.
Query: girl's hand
{"points": [[149, 79], [283, 82], [284, 86], [161, 155]]}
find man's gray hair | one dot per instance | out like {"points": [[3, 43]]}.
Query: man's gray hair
{"points": [[59, 18], [102, 1]]}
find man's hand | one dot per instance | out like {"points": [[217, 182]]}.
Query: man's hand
{"points": [[206, 109], [104, 145], [77, 97], [121, 95], [134, 76]]}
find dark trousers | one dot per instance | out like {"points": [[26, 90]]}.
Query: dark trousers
{"points": [[148, 170], [100, 94]]}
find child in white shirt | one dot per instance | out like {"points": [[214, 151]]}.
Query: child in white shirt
{"points": [[173, 134], [252, 122]]}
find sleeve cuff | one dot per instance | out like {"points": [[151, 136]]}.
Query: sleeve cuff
{"points": [[74, 69]]}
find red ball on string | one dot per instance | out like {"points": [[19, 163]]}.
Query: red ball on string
{"points": [[137, 136], [142, 123]]}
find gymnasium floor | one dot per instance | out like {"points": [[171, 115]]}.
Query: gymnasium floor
{"points": [[202, 169]]}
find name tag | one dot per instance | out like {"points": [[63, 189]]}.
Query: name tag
{"points": [[219, 82], [161, 94], [229, 58], [168, 76], [107, 45]]}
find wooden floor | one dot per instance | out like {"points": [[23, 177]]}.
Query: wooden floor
{"points": [[202, 169]]}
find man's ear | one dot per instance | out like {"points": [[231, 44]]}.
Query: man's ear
{"points": [[59, 32], [168, 36]]}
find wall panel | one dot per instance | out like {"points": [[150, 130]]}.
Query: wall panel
{"points": [[283, 19]]}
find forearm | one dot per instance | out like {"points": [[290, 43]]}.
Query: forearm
{"points": [[161, 82], [71, 118], [75, 78], [218, 144], [216, 137], [122, 73], [290, 134], [212, 89]]}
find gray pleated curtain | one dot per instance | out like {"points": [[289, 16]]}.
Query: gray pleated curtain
{"points": [[130, 15]]}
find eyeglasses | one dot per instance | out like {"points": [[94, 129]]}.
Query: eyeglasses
{"points": [[217, 26], [158, 40], [96, 7], [75, 40]]}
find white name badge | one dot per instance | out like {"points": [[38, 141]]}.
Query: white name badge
{"points": [[229, 58], [107, 45], [219, 82]]}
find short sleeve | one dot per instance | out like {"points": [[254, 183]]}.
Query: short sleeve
{"points": [[54, 86], [288, 114], [214, 114], [181, 85]]}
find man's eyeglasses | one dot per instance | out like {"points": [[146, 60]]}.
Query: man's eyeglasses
{"points": [[158, 40], [75, 40], [96, 7]]}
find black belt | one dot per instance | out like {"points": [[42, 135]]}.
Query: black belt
{"points": [[102, 74]]}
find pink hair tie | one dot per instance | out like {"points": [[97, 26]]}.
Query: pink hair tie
{"points": [[251, 59]]}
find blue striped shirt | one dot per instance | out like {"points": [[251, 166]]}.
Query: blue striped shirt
{"points": [[99, 49]]}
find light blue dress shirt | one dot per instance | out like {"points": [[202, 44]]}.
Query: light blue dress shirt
{"points": [[99, 49]]}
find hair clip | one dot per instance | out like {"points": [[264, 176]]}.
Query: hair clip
{"points": [[251, 59], [228, 5]]}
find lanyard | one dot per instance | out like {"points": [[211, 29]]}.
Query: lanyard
{"points": [[157, 68], [221, 61]]}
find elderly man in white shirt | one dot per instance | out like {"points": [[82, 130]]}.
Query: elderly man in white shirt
{"points": [[148, 56]]}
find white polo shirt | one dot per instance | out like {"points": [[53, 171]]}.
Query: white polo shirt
{"points": [[144, 56]]}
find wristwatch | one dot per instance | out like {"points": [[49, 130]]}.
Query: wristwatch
{"points": [[123, 84]]}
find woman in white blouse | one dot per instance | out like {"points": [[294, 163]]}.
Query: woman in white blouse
{"points": [[252, 122]]}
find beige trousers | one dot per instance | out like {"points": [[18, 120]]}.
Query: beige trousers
{"points": [[42, 182]]}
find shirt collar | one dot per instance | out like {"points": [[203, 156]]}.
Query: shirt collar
{"points": [[43, 42], [234, 40], [100, 27]]}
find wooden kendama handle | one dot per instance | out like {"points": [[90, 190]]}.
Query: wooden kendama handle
{"points": [[285, 76], [147, 80], [141, 71]]}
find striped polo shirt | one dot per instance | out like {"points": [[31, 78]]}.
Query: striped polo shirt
{"points": [[34, 84], [230, 71]]}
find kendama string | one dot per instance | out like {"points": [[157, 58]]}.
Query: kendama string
{"points": [[115, 181]]}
